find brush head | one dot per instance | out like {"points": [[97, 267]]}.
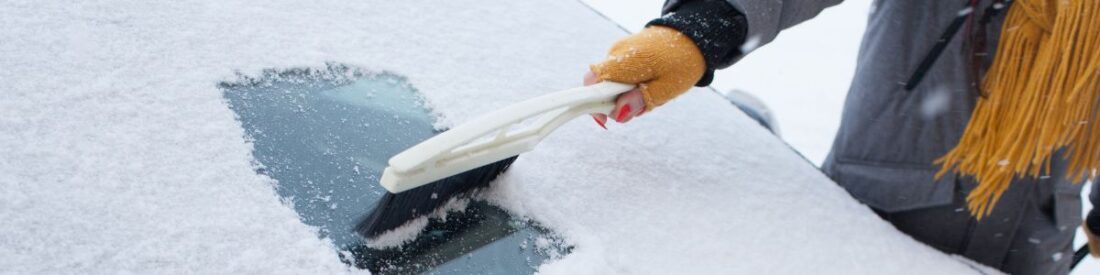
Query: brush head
{"points": [[395, 210]]}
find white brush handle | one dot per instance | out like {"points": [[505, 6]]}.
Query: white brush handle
{"points": [[490, 137]]}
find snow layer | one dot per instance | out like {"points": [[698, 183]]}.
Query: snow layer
{"points": [[409, 231], [697, 188], [118, 153]]}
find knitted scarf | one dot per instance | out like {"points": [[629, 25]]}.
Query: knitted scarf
{"points": [[1041, 96]]}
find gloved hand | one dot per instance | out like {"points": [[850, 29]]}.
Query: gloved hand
{"points": [[1092, 228], [662, 61]]}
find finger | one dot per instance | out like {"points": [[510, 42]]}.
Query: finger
{"points": [[601, 119], [636, 101], [628, 105], [590, 78]]}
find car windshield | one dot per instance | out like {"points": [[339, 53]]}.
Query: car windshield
{"points": [[325, 136]]}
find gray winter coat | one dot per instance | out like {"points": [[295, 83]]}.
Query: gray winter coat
{"points": [[886, 144]]}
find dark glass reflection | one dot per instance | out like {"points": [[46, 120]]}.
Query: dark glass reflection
{"points": [[325, 136]]}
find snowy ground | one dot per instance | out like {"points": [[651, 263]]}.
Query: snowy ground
{"points": [[119, 154]]}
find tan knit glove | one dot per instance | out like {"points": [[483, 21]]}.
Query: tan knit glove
{"points": [[664, 62]]}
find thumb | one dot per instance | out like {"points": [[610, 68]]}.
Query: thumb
{"points": [[659, 91], [637, 58], [625, 67]]}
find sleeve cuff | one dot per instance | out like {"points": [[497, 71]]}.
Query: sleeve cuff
{"points": [[714, 26]]}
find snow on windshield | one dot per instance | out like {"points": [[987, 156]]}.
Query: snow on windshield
{"points": [[326, 134], [120, 154]]}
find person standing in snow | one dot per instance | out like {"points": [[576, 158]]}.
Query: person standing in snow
{"points": [[995, 178]]}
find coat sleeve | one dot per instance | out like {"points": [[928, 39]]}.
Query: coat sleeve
{"points": [[766, 18]]}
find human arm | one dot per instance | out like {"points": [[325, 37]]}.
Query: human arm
{"points": [[668, 57], [717, 28]]}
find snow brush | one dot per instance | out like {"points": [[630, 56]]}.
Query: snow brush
{"points": [[466, 158]]}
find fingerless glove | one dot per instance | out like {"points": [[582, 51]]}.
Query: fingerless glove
{"points": [[664, 63], [716, 28]]}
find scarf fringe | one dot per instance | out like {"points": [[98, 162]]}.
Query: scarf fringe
{"points": [[1043, 97]]}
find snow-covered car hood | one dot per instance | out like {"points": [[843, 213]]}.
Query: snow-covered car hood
{"points": [[119, 153]]}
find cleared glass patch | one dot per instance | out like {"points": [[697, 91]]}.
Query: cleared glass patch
{"points": [[325, 135]]}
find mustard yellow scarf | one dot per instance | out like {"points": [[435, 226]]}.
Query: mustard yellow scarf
{"points": [[1042, 95]]}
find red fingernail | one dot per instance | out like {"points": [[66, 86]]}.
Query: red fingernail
{"points": [[599, 123], [622, 113]]}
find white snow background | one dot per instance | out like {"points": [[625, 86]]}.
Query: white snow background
{"points": [[119, 155]]}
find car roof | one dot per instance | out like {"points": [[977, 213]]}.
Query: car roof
{"points": [[129, 159]]}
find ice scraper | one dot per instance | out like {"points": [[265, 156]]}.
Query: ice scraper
{"points": [[424, 177]]}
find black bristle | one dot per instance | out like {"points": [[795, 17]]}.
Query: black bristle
{"points": [[394, 210]]}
